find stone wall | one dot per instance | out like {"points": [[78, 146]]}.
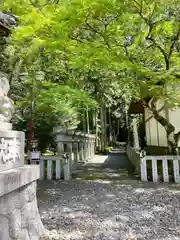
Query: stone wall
{"points": [[134, 157], [19, 215]]}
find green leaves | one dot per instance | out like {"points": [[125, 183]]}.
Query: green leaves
{"points": [[66, 103], [97, 50]]}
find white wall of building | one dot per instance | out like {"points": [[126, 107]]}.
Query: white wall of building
{"points": [[155, 133]]}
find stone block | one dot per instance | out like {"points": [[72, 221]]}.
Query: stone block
{"points": [[13, 179], [11, 149], [24, 235], [36, 229], [20, 223], [15, 224], [8, 205], [4, 228]]}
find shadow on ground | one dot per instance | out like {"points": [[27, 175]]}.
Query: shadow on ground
{"points": [[110, 210]]}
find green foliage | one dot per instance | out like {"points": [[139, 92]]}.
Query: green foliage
{"points": [[96, 51], [64, 102]]}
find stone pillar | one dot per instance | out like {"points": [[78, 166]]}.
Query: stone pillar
{"points": [[92, 152], [89, 148], [19, 214], [82, 150], [85, 149], [67, 172], [76, 152], [135, 134], [69, 149]]}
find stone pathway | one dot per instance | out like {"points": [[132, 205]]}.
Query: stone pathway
{"points": [[114, 166], [120, 208]]}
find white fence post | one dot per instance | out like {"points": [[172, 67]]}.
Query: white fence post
{"points": [[85, 150], [165, 170], [76, 153], [49, 169], [70, 157], [154, 170], [67, 175], [143, 166], [58, 169], [82, 150], [176, 170], [41, 169]]}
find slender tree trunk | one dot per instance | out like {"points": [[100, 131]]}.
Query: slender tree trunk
{"points": [[127, 125], [84, 121], [103, 121], [102, 147], [118, 127], [87, 121], [110, 125], [96, 127]]}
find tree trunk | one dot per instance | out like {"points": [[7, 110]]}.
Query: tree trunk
{"points": [[118, 123], [110, 125], [96, 126], [87, 120], [103, 135], [127, 125], [172, 137], [84, 121]]}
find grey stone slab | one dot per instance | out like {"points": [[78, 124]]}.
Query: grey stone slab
{"points": [[20, 223], [13, 179]]}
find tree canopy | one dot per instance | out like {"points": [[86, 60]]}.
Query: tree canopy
{"points": [[95, 54]]}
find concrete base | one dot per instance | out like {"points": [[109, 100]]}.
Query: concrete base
{"points": [[19, 214]]}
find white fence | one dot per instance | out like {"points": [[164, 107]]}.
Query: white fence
{"points": [[140, 161], [165, 167], [71, 154], [53, 167], [50, 166]]}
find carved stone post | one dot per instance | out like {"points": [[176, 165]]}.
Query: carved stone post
{"points": [[85, 149], [76, 152], [135, 133], [82, 150]]}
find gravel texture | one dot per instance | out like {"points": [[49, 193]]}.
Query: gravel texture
{"points": [[103, 210]]}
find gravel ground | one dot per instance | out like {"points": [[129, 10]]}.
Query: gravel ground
{"points": [[102, 210]]}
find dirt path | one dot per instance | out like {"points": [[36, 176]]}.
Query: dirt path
{"points": [[114, 166]]}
